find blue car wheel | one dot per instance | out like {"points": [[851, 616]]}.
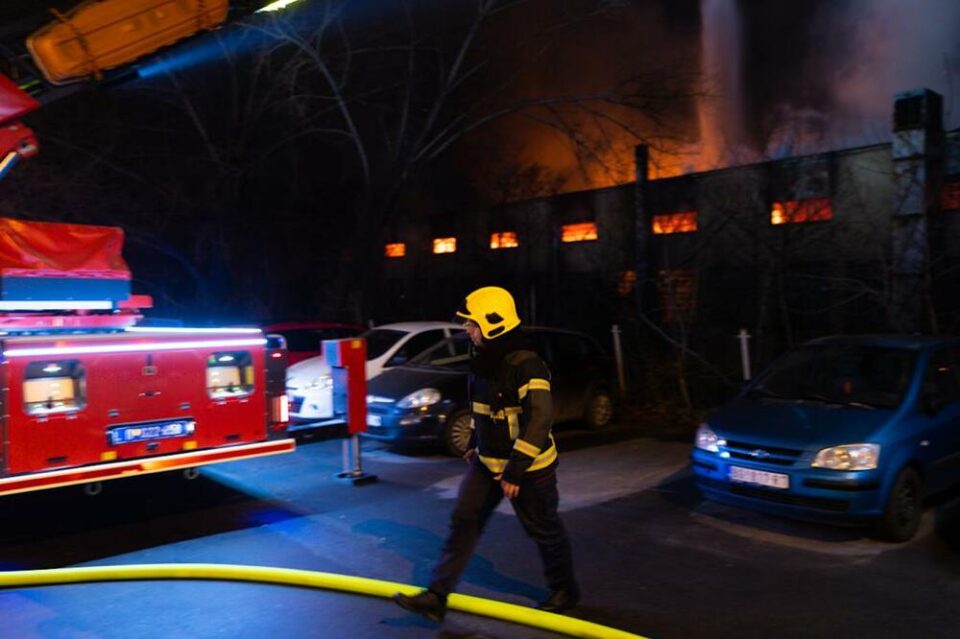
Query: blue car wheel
{"points": [[901, 518]]}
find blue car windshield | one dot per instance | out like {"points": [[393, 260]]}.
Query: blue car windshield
{"points": [[845, 374]]}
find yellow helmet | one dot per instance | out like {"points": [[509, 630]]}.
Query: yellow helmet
{"points": [[493, 309]]}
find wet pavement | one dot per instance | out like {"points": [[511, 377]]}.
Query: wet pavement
{"points": [[653, 559]]}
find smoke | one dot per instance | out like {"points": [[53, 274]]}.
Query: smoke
{"points": [[720, 109], [883, 47], [592, 146]]}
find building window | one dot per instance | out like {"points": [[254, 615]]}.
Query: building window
{"points": [[816, 209], [397, 249], [503, 240], [582, 232], [685, 222], [444, 245], [678, 295], [950, 195]]}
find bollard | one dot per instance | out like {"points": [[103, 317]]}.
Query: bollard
{"points": [[618, 355], [744, 338]]}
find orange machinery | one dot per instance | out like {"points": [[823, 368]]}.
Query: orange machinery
{"points": [[99, 35]]}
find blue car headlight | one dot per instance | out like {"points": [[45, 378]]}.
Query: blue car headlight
{"points": [[708, 440], [420, 399], [848, 457]]}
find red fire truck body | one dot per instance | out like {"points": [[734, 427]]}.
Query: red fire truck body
{"points": [[87, 395]]}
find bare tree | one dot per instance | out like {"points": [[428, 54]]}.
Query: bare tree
{"points": [[397, 96]]}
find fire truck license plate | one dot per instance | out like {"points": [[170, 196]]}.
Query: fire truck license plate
{"points": [[147, 432]]}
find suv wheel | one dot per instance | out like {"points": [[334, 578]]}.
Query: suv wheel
{"points": [[599, 410], [901, 518], [457, 431]]}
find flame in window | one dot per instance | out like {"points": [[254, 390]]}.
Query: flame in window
{"points": [[504, 239], [444, 245], [397, 249], [582, 232], [684, 222], [816, 209], [950, 196]]}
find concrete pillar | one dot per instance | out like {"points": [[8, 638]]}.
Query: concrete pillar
{"points": [[917, 153]]}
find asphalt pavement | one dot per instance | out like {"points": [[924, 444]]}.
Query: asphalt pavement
{"points": [[653, 559]]}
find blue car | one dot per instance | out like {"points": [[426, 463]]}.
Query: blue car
{"points": [[849, 429]]}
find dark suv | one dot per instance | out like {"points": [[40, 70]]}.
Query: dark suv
{"points": [[426, 399]]}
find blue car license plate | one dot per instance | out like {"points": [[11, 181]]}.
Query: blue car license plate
{"points": [[147, 432], [759, 477]]}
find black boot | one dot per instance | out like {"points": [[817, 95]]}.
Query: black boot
{"points": [[428, 603], [560, 600]]}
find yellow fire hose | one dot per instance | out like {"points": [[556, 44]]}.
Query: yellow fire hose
{"points": [[330, 581]]}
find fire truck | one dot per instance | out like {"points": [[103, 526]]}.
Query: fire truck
{"points": [[89, 391]]}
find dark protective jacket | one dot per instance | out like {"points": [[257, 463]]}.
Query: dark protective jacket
{"points": [[512, 409]]}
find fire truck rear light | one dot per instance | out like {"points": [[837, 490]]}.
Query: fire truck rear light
{"points": [[190, 445], [110, 455], [280, 409]]}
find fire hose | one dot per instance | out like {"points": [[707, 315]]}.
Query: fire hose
{"points": [[523, 615]]}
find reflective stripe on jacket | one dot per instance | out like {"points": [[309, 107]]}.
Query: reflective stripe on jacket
{"points": [[513, 416]]}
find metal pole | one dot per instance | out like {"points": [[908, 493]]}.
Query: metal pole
{"points": [[744, 338], [618, 355], [355, 442]]}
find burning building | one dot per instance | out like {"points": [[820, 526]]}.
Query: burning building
{"points": [[853, 240]]}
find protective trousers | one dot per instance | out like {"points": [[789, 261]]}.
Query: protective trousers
{"points": [[536, 508]]}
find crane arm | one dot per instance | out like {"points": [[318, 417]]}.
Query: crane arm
{"points": [[16, 139]]}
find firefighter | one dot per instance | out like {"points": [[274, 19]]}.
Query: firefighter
{"points": [[511, 453]]}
